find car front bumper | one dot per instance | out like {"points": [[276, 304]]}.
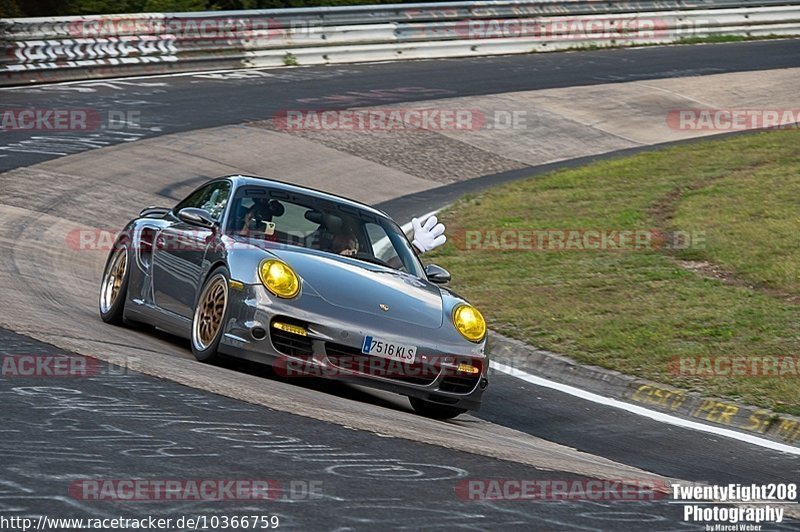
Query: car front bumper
{"points": [[331, 348]]}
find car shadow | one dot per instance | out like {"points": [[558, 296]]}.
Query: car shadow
{"points": [[331, 387], [265, 371]]}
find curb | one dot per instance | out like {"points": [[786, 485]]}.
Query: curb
{"points": [[723, 413]]}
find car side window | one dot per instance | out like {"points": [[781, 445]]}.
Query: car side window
{"points": [[212, 198]]}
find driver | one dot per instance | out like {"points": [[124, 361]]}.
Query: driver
{"points": [[427, 235], [344, 242]]}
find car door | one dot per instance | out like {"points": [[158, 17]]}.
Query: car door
{"points": [[180, 250]]}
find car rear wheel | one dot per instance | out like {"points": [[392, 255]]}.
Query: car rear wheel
{"points": [[209, 316], [114, 286], [434, 410]]}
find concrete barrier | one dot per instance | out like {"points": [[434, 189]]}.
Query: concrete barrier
{"points": [[68, 48]]}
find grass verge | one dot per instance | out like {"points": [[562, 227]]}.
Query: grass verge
{"points": [[734, 291]]}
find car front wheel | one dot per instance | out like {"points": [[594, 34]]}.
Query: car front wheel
{"points": [[209, 316], [114, 286]]}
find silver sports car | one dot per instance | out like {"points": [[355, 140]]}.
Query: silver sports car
{"points": [[309, 282]]}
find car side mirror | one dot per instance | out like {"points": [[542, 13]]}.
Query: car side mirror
{"points": [[437, 274], [198, 217]]}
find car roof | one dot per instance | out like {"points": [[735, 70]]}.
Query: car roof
{"points": [[239, 180]]}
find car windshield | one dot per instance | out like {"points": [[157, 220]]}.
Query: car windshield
{"points": [[262, 213]]}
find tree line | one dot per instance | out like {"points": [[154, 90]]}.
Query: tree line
{"points": [[50, 8]]}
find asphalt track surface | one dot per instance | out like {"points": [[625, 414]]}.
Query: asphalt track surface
{"points": [[45, 442], [122, 425], [175, 104]]}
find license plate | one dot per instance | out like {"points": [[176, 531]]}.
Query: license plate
{"points": [[392, 351]]}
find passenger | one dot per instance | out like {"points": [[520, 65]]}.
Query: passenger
{"points": [[258, 218]]}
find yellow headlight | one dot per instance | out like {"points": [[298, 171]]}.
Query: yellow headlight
{"points": [[279, 278], [469, 322]]}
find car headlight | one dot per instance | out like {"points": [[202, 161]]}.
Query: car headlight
{"points": [[469, 322], [279, 278]]}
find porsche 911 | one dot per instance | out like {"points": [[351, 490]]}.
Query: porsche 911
{"points": [[306, 281]]}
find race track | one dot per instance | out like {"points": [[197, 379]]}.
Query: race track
{"points": [[56, 184]]}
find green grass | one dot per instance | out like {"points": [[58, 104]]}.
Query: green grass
{"points": [[634, 311], [710, 39], [289, 59]]}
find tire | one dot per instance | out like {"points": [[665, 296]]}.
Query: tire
{"points": [[434, 410], [210, 312], [114, 286]]}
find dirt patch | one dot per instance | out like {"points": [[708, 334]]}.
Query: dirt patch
{"points": [[421, 153]]}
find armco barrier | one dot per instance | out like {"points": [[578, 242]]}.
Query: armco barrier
{"points": [[67, 48]]}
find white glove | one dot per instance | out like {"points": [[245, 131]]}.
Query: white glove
{"points": [[429, 235]]}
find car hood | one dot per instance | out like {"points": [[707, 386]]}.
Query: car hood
{"points": [[345, 283]]}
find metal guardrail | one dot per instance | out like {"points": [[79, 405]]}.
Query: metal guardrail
{"points": [[66, 48]]}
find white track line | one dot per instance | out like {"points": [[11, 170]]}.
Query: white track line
{"points": [[120, 79], [641, 411], [628, 407]]}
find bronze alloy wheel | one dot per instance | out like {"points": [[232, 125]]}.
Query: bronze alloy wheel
{"points": [[210, 312], [113, 278]]}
